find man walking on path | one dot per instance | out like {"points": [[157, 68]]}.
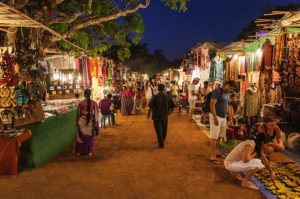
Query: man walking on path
{"points": [[193, 96], [218, 123], [161, 106]]}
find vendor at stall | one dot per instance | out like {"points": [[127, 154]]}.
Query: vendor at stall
{"points": [[272, 131], [235, 108]]}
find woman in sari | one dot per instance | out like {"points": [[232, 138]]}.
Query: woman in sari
{"points": [[126, 102], [87, 123]]}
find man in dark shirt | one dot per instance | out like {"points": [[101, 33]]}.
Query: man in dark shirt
{"points": [[217, 118], [161, 106]]}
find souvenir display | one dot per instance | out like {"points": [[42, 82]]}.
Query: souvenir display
{"points": [[287, 184]]}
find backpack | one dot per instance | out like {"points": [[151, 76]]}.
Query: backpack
{"points": [[206, 103]]}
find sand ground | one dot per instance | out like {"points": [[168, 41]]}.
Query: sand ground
{"points": [[128, 165]]}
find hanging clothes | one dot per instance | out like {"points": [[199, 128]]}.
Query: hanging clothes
{"points": [[204, 57], [267, 54], [278, 51], [216, 70], [242, 64], [252, 102]]}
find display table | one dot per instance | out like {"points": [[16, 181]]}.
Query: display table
{"points": [[9, 153], [48, 139]]}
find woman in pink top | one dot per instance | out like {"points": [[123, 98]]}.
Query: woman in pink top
{"points": [[248, 157]]}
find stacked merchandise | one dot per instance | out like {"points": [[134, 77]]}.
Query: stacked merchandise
{"points": [[21, 88], [290, 68], [287, 185]]}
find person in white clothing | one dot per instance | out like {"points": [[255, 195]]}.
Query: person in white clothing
{"points": [[193, 96], [248, 157], [148, 93], [206, 90]]}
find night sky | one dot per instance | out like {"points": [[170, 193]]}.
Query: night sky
{"points": [[216, 20]]}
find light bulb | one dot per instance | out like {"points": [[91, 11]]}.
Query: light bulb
{"points": [[235, 57], [70, 76], [259, 52]]}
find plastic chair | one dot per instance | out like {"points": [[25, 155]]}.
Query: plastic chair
{"points": [[103, 120]]}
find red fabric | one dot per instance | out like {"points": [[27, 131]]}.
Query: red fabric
{"points": [[267, 55], [97, 68], [9, 154], [89, 72], [138, 95]]}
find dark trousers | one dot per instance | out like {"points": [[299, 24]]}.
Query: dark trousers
{"points": [[161, 127], [113, 117]]}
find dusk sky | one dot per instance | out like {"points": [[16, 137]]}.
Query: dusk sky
{"points": [[217, 20]]}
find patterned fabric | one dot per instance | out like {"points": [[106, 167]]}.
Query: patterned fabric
{"points": [[126, 104], [216, 71], [252, 103]]}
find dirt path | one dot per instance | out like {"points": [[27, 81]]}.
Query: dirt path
{"points": [[128, 164]]}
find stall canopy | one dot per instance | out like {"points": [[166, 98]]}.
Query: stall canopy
{"points": [[234, 47]]}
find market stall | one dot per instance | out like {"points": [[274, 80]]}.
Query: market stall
{"points": [[23, 81]]}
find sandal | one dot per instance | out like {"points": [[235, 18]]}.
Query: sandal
{"points": [[221, 156], [217, 162]]}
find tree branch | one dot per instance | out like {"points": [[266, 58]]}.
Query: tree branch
{"points": [[90, 6], [19, 4], [98, 21], [66, 18], [128, 4], [103, 31]]}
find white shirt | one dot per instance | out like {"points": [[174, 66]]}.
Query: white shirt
{"points": [[205, 91], [191, 88]]}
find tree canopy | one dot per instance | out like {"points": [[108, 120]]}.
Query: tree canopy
{"points": [[143, 61], [95, 25]]}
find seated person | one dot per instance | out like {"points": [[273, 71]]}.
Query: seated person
{"points": [[272, 131], [235, 108], [248, 157]]}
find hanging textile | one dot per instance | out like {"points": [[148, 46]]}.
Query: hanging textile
{"points": [[216, 70], [242, 64], [92, 67], [78, 64], [96, 67], [204, 57], [258, 62], [103, 68], [267, 55], [252, 102], [278, 51]]}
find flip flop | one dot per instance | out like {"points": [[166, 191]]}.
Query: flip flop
{"points": [[217, 162]]}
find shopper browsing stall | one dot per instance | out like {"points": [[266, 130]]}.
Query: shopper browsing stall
{"points": [[218, 123], [206, 90], [248, 157], [271, 131], [193, 96], [87, 122]]}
